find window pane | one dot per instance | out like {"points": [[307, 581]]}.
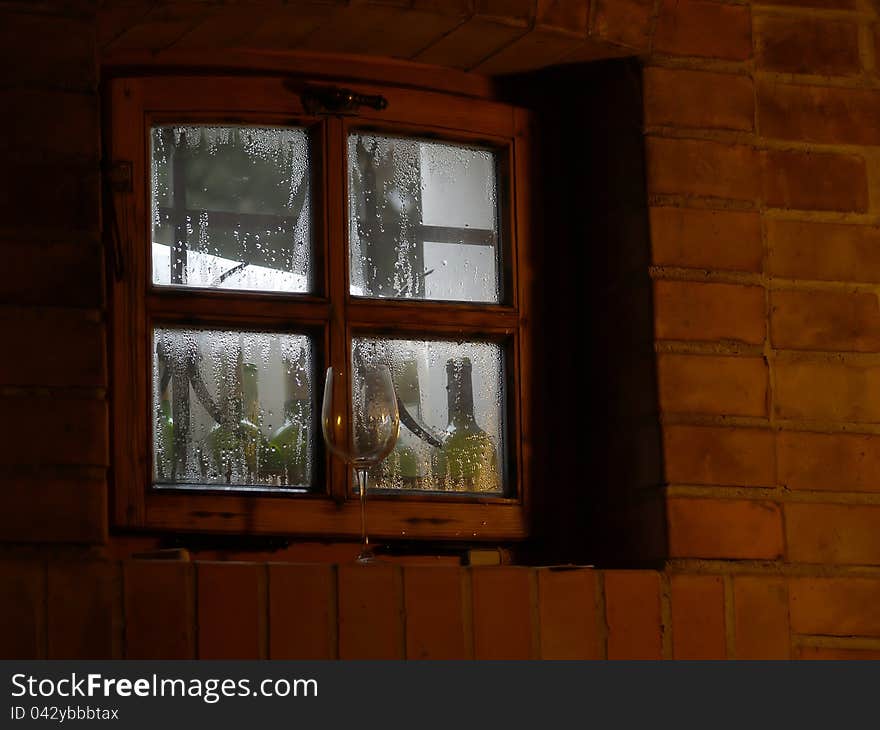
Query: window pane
{"points": [[451, 393], [423, 220], [231, 208], [232, 409]]}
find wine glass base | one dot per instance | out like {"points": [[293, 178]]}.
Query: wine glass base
{"points": [[366, 557]]}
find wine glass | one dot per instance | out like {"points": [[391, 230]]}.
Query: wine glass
{"points": [[374, 427]]}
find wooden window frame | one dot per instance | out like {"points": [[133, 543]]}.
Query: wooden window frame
{"points": [[331, 315]]}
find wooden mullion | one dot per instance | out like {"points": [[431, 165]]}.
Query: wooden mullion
{"points": [[207, 307], [422, 315], [508, 230], [337, 258]]}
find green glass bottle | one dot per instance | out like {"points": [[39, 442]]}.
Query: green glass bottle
{"points": [[287, 459], [468, 461]]}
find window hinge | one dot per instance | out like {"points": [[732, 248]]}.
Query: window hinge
{"points": [[338, 101]]}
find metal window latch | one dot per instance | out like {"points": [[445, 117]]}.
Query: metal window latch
{"points": [[119, 176], [336, 100]]}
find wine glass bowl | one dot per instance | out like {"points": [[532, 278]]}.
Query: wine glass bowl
{"points": [[360, 426]]}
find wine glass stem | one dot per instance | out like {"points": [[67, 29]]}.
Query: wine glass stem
{"points": [[361, 475]]}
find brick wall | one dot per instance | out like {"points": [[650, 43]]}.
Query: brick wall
{"points": [[763, 179], [764, 186], [761, 134], [166, 609], [54, 431]]}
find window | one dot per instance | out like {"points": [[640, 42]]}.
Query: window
{"points": [[259, 243]]}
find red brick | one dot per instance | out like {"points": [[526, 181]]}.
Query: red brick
{"points": [[66, 55], [742, 457], [75, 278], [515, 10], [112, 21], [595, 49], [733, 386], [536, 49], [876, 45], [45, 505], [435, 627], [370, 612], [709, 29], [159, 610], [53, 430], [807, 45], [625, 22], [825, 320], [687, 310], [824, 251], [380, 29], [502, 599], [827, 391], [836, 653], [563, 14], [226, 27], [724, 528], [50, 126], [827, 4], [58, 195], [232, 610], [761, 618], [701, 168], [568, 614], [835, 606], [74, 358], [829, 462], [471, 42], [699, 99], [632, 612], [23, 607], [815, 181], [455, 7], [698, 630], [710, 239], [160, 27], [85, 610], [819, 114], [302, 612], [833, 534]]}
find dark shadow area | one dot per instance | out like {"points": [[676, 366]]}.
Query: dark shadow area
{"points": [[597, 441]]}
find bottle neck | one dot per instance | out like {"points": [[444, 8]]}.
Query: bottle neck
{"points": [[460, 394]]}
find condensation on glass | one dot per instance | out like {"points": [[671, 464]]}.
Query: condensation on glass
{"points": [[231, 208], [423, 220], [232, 410], [452, 415]]}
